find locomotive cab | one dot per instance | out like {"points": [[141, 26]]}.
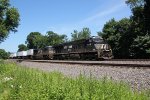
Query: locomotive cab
{"points": [[103, 48], [37, 54]]}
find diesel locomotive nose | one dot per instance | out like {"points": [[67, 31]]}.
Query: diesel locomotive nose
{"points": [[104, 51]]}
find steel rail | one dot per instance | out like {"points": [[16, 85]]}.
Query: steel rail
{"points": [[125, 63]]}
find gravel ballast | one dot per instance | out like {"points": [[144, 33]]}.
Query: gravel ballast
{"points": [[138, 78]]}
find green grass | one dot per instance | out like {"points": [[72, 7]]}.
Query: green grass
{"points": [[19, 83]]}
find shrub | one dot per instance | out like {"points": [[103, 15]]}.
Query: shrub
{"points": [[3, 54]]}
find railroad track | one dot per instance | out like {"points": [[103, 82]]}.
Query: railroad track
{"points": [[117, 62]]}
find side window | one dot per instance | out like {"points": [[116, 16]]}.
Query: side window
{"points": [[65, 47], [70, 46], [102, 46]]}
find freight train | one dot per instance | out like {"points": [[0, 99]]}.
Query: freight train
{"points": [[92, 48]]}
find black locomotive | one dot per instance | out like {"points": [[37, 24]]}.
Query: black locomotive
{"points": [[92, 48]]}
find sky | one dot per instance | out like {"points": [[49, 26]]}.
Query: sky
{"points": [[62, 17]]}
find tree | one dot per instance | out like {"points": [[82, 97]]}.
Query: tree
{"points": [[75, 35], [54, 38], [130, 38], [83, 34], [135, 3], [3, 54], [147, 16], [118, 35], [22, 47], [140, 23], [35, 40], [9, 19], [141, 14]]}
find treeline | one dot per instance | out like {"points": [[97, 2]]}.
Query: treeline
{"points": [[36, 40], [130, 37]]}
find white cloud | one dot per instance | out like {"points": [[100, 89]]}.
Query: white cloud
{"points": [[89, 21], [106, 12]]}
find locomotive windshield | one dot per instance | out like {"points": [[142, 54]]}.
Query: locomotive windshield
{"points": [[98, 40], [48, 48]]}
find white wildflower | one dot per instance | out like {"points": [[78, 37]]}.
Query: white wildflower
{"points": [[20, 86], [8, 78], [11, 86]]}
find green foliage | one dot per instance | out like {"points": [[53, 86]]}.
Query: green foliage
{"points": [[147, 16], [85, 33], [75, 35], [118, 36], [130, 38], [140, 27], [22, 47], [135, 3], [54, 38], [35, 40], [3, 54], [18, 83], [141, 46], [9, 19]]}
